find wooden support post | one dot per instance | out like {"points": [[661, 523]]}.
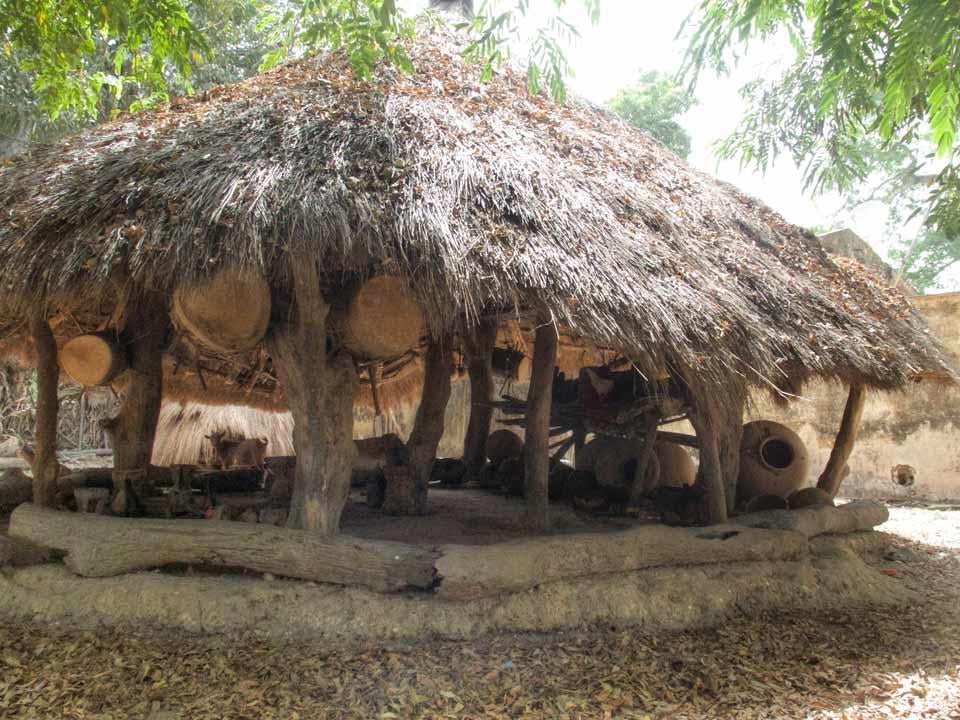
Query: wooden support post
{"points": [[536, 451], [320, 390], [651, 423], [145, 337], [833, 473], [374, 374], [478, 350], [45, 465], [710, 472], [729, 434], [428, 424]]}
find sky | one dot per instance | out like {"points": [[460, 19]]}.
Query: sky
{"points": [[638, 35]]}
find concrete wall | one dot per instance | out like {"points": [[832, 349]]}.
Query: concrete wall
{"points": [[918, 427]]}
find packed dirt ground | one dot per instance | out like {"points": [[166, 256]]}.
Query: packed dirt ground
{"points": [[859, 663]]}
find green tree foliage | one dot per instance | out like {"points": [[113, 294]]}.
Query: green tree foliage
{"points": [[654, 104], [28, 114], [74, 52], [867, 78]]}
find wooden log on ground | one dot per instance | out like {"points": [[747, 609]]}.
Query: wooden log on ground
{"points": [[45, 464], [536, 450], [468, 572], [93, 359], [820, 520], [229, 313], [382, 319], [833, 473], [99, 546]]}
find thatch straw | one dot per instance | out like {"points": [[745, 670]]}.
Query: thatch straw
{"points": [[181, 430], [479, 195]]}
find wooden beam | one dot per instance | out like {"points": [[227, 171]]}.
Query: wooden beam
{"points": [[45, 465], [320, 390], [478, 347], [428, 424], [536, 451], [678, 438], [99, 546], [833, 473]]}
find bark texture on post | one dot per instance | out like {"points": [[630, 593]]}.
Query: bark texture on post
{"points": [[833, 473], [706, 421], [320, 390], [536, 447], [729, 435], [643, 460], [478, 349], [428, 424], [45, 465], [145, 334]]}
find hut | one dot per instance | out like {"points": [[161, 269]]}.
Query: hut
{"points": [[306, 237]]}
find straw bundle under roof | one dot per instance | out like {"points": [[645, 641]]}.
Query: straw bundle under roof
{"points": [[182, 428], [480, 195]]}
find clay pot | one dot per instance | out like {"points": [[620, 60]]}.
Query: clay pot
{"points": [[773, 460], [676, 465], [502, 445]]}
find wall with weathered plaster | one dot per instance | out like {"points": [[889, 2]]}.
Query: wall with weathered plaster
{"points": [[918, 427]]}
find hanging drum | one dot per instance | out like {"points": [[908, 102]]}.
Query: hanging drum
{"points": [[773, 460], [228, 314], [382, 319], [93, 359]]}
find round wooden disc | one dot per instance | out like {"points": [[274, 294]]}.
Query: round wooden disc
{"points": [[383, 319], [230, 313], [92, 359]]}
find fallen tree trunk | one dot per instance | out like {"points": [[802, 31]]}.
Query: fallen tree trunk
{"points": [[468, 572], [99, 546], [821, 520]]}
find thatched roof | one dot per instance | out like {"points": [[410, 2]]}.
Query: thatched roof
{"points": [[482, 196]]}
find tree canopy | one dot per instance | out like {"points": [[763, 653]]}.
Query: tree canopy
{"points": [[869, 82], [653, 104]]}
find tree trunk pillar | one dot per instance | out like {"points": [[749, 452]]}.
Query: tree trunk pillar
{"points": [[729, 435], [428, 424], [320, 391], [45, 465], [536, 447], [706, 421], [833, 473], [478, 349], [145, 337]]}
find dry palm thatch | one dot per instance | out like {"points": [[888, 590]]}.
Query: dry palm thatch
{"points": [[182, 427], [479, 194]]}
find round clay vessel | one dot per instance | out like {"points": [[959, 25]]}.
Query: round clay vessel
{"points": [[773, 460]]}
